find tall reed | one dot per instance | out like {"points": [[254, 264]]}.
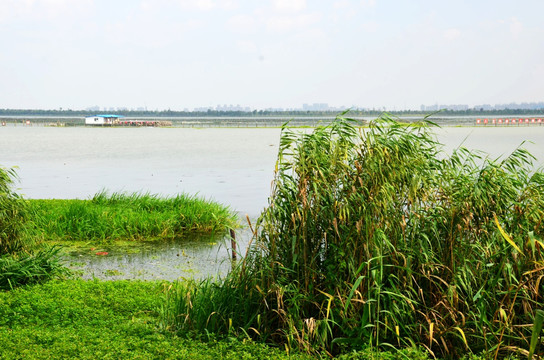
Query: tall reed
{"points": [[379, 238], [12, 214], [20, 262]]}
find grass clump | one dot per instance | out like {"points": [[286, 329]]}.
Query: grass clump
{"points": [[379, 239], [30, 268], [21, 262], [122, 216]]}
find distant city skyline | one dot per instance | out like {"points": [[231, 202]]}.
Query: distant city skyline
{"points": [[187, 54], [326, 107]]}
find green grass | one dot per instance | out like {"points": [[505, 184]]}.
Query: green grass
{"points": [[30, 268], [125, 217], [118, 320], [102, 320], [379, 239]]}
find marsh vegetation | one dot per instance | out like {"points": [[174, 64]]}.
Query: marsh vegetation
{"points": [[20, 262], [378, 238], [32, 230], [126, 217], [374, 239]]}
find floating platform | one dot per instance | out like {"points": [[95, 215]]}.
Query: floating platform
{"points": [[155, 123], [510, 121]]}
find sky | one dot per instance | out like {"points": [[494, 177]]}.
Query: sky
{"points": [[178, 54]]}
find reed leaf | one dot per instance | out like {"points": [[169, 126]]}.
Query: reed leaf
{"points": [[537, 328]]}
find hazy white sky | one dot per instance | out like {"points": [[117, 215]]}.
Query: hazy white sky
{"points": [[279, 53]]}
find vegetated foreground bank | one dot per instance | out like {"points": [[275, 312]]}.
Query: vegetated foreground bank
{"points": [[76, 319], [379, 239], [92, 319]]}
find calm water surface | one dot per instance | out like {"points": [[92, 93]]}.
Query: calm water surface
{"points": [[232, 166]]}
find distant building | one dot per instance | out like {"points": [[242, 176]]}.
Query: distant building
{"points": [[486, 107], [231, 107], [457, 107], [102, 119], [202, 109], [315, 107], [436, 107]]}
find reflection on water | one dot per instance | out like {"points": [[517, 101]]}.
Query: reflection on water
{"points": [[190, 257]]}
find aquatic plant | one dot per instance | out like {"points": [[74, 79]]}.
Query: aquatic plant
{"points": [[30, 268], [121, 216], [12, 214], [377, 238]]}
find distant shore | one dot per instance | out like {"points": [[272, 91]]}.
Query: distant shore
{"points": [[278, 120]]}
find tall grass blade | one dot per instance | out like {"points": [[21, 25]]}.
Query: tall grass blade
{"points": [[505, 235], [537, 329]]}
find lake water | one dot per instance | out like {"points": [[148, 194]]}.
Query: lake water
{"points": [[232, 166]]}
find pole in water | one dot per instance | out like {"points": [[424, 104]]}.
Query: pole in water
{"points": [[233, 243]]}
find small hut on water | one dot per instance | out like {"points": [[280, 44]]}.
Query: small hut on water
{"points": [[115, 120], [102, 119]]}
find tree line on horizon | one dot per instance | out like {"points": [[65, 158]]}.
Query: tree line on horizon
{"points": [[222, 113]]}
